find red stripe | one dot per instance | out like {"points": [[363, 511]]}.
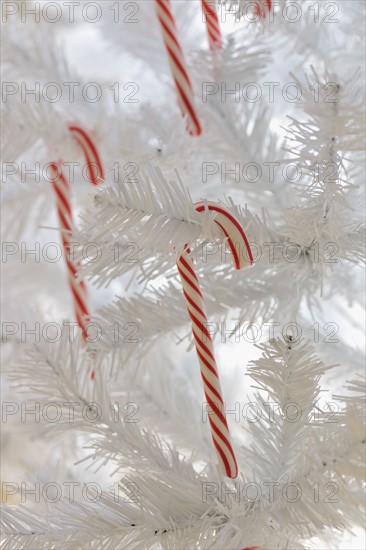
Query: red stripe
{"points": [[93, 177], [231, 245], [204, 331], [215, 40], [225, 441], [201, 208], [223, 458], [61, 186], [169, 32], [80, 322], [217, 412], [213, 29], [193, 304], [179, 65], [82, 305], [219, 433], [221, 436], [62, 199], [188, 281], [66, 221], [210, 387], [95, 153], [203, 359], [189, 268], [80, 298], [65, 181], [64, 224], [165, 6], [72, 268], [66, 218], [212, 36], [213, 26], [92, 147], [197, 127], [59, 176], [196, 130], [79, 301], [209, 11]]}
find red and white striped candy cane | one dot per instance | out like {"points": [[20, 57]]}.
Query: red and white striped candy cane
{"points": [[212, 23], [242, 257], [62, 190], [178, 66]]}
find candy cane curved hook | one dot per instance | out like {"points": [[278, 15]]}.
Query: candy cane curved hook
{"points": [[238, 244], [90, 152]]}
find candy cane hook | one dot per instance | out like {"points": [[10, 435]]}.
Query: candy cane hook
{"points": [[178, 65], [242, 257], [90, 152]]}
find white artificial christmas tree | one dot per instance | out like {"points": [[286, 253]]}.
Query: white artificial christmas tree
{"points": [[106, 438]]}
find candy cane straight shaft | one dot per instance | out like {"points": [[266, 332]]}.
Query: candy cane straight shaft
{"points": [[238, 244], [210, 377], [178, 65], [264, 7], [62, 190]]}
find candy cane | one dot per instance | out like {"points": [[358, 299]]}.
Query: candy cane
{"points": [[90, 152], [62, 190], [238, 244], [178, 65], [212, 24], [263, 7]]}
